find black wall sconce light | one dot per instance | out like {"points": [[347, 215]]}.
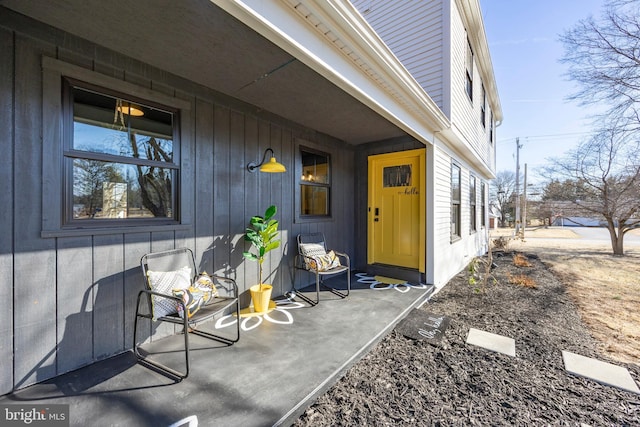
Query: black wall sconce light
{"points": [[272, 166]]}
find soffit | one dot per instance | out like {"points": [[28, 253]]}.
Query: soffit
{"points": [[198, 41]]}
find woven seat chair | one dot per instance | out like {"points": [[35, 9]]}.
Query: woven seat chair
{"points": [[176, 269], [314, 257]]}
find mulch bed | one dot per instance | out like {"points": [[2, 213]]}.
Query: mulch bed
{"points": [[407, 382]]}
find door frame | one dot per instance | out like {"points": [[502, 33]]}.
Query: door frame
{"points": [[422, 194]]}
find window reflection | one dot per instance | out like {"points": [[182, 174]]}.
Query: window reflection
{"points": [[315, 167], [106, 190], [121, 158], [396, 176], [315, 184]]}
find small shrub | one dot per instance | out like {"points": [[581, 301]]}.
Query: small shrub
{"points": [[522, 280], [500, 243], [480, 272], [520, 260]]}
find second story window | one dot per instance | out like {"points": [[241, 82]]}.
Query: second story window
{"points": [[469, 71], [483, 106], [491, 128]]}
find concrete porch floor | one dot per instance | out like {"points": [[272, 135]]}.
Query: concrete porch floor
{"points": [[282, 362]]}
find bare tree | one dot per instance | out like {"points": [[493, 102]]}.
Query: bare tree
{"points": [[88, 180], [604, 59], [605, 171], [503, 192]]}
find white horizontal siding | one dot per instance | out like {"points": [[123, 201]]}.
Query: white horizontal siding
{"points": [[466, 113], [451, 257]]}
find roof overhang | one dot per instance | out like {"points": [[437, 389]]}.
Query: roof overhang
{"points": [[318, 64], [332, 38]]}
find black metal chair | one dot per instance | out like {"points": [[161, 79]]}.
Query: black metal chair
{"points": [[314, 257], [176, 268]]}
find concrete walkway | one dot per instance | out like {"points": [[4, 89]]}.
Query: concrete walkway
{"points": [[282, 362]]}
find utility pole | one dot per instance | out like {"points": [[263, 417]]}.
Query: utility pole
{"points": [[518, 146], [524, 205]]}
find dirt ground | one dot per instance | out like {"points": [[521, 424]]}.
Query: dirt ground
{"points": [[572, 298], [605, 288]]}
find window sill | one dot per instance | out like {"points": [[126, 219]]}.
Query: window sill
{"points": [[311, 219], [73, 232]]}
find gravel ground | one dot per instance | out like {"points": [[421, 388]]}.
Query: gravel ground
{"points": [[450, 383]]}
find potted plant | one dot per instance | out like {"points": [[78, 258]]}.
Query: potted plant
{"points": [[262, 234]]}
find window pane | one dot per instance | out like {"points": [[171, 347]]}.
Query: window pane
{"points": [[455, 220], [483, 207], [315, 200], [106, 190], [315, 167], [472, 190], [397, 176], [455, 182], [102, 124]]}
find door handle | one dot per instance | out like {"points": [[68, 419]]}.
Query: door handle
{"points": [[377, 212]]}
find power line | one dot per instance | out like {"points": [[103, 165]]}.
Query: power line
{"points": [[549, 136]]}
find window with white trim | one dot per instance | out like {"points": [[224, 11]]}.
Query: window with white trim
{"points": [[492, 126], [483, 105], [483, 204], [469, 71], [455, 202], [472, 204]]}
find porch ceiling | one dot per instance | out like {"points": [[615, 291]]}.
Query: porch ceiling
{"points": [[197, 40]]}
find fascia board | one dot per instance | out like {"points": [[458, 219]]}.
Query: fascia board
{"points": [[332, 38], [455, 142]]}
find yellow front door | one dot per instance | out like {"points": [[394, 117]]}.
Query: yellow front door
{"points": [[396, 217]]}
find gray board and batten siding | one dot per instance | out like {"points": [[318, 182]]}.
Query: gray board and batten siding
{"points": [[72, 294]]}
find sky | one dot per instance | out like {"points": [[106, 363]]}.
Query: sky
{"points": [[523, 37]]}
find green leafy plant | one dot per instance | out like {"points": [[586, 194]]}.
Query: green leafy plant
{"points": [[262, 234]]}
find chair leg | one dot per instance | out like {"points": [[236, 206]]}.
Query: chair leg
{"points": [[348, 281], [135, 326], [320, 283], [156, 366], [337, 292], [186, 340], [300, 295]]}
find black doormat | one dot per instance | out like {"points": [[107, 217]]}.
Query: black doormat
{"points": [[420, 325]]}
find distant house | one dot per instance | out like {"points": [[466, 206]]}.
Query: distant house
{"points": [[128, 128], [572, 214]]}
